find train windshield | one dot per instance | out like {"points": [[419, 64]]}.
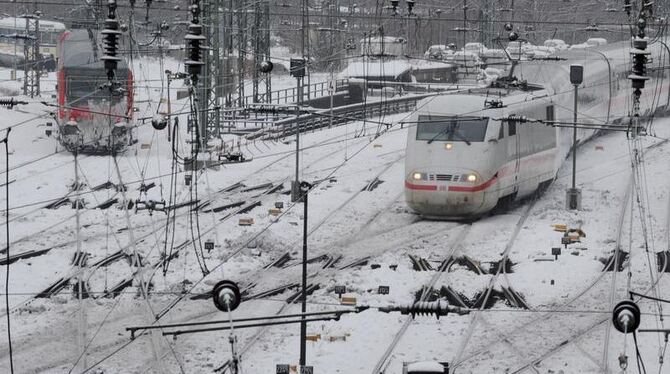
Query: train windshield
{"points": [[85, 85], [444, 128]]}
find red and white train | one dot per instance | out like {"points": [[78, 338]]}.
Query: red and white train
{"points": [[92, 118], [464, 156]]}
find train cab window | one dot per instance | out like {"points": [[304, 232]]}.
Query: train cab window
{"points": [[450, 128], [511, 128], [501, 133]]}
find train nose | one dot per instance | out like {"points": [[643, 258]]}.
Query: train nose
{"points": [[454, 194]]}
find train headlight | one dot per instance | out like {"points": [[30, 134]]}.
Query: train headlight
{"points": [[472, 178], [417, 176], [448, 146]]}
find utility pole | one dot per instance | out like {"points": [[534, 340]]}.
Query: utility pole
{"points": [[574, 195]]}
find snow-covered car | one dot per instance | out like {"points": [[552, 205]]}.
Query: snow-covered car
{"points": [[542, 51], [595, 42], [466, 59], [494, 57], [438, 52], [520, 50], [579, 46], [476, 48], [557, 44]]}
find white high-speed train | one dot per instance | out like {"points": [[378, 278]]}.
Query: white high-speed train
{"points": [[465, 156]]}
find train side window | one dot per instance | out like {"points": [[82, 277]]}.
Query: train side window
{"points": [[511, 128], [501, 133]]}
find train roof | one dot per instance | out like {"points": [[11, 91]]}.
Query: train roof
{"points": [[20, 24]]}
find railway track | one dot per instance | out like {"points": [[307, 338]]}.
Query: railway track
{"points": [[154, 267], [545, 338], [385, 361]]}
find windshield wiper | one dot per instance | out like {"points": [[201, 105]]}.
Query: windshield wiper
{"points": [[462, 137], [448, 128], [453, 131]]}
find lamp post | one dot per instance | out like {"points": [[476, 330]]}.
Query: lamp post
{"points": [[574, 195]]}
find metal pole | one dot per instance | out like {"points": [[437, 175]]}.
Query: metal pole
{"points": [[80, 282], [303, 323], [574, 141], [295, 187]]}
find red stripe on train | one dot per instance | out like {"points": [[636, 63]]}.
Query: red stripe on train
{"points": [[422, 187]]}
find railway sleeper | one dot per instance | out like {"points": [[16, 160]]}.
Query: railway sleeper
{"points": [[454, 297], [54, 288], [23, 255], [331, 262], [507, 266], [274, 291], [110, 259], [465, 261], [80, 258], [615, 260], [280, 262], [84, 290], [420, 264], [274, 189], [356, 263], [308, 291], [514, 298], [224, 207], [58, 203], [249, 207], [233, 187], [107, 204], [257, 187], [118, 288], [373, 185]]}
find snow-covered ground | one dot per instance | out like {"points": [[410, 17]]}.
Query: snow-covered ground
{"points": [[569, 297]]}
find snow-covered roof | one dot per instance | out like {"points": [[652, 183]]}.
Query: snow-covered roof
{"points": [[383, 39], [371, 68], [425, 366]]}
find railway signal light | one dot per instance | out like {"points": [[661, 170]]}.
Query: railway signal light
{"points": [[266, 66], [297, 67]]}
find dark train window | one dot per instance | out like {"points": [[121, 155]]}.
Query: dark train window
{"points": [[550, 113], [501, 133], [511, 128], [450, 128]]}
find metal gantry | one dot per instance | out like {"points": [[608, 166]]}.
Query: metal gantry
{"points": [[31, 54], [211, 91], [260, 40]]}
